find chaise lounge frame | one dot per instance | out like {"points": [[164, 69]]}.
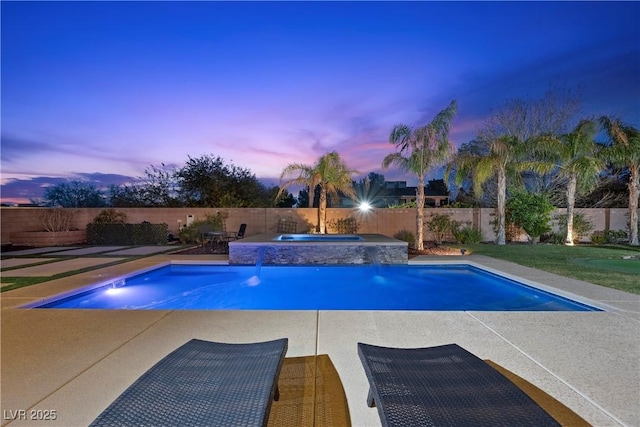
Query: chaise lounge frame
{"points": [[444, 386], [203, 383]]}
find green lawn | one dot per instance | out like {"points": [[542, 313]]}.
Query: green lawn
{"points": [[602, 265]]}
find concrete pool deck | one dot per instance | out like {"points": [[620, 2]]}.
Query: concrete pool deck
{"points": [[76, 362]]}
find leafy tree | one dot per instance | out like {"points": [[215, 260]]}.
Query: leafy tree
{"points": [[303, 198], [330, 174], [284, 200], [74, 194], [208, 181], [531, 212], [157, 188], [624, 152], [420, 150], [125, 196], [579, 162]]}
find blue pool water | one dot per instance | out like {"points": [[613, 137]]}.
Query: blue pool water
{"points": [[393, 287]]}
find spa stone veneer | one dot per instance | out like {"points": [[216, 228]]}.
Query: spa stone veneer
{"points": [[371, 249]]}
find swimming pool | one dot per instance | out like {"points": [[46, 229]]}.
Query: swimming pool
{"points": [[380, 287]]}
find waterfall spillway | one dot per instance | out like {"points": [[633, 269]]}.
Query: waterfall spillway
{"points": [[255, 279]]}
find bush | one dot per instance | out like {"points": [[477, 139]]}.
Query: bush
{"points": [[110, 216], [615, 236], [581, 225], [406, 236], [531, 212], [127, 234], [191, 234], [347, 225], [465, 234], [598, 238], [57, 219], [439, 225], [511, 231], [553, 238]]}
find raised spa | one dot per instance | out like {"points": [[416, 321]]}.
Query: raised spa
{"points": [[317, 249]]}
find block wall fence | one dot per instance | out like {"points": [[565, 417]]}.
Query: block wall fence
{"points": [[264, 220]]}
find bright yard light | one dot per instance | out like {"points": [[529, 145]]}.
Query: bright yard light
{"points": [[364, 206]]}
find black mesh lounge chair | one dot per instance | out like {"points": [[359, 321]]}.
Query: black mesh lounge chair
{"points": [[203, 383], [444, 386]]}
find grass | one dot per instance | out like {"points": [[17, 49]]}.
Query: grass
{"points": [[602, 265]]}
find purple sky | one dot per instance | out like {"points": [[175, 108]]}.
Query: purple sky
{"points": [[101, 90]]}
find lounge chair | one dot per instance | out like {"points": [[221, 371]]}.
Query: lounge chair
{"points": [[203, 383], [444, 386]]}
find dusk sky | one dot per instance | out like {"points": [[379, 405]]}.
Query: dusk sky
{"points": [[99, 91]]}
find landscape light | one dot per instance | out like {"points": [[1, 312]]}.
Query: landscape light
{"points": [[364, 206]]}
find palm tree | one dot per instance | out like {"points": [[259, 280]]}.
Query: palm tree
{"points": [[499, 156], [330, 173], [578, 159], [420, 150], [624, 152]]}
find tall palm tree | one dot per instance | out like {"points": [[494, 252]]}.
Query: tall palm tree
{"points": [[624, 152], [579, 162], [420, 150], [330, 173], [504, 157], [495, 162]]}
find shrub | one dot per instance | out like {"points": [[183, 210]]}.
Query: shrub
{"points": [[581, 225], [56, 219], [598, 238], [615, 236], [191, 233], [110, 216], [531, 212], [127, 234], [466, 233], [347, 225], [556, 238], [406, 236], [439, 225], [511, 231], [403, 205]]}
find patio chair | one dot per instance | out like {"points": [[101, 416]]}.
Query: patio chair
{"points": [[203, 383], [239, 235], [444, 385]]}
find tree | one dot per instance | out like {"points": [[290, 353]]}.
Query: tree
{"points": [[420, 150], [284, 200], [208, 181], [330, 174], [509, 136], [624, 152], [74, 194], [578, 160]]}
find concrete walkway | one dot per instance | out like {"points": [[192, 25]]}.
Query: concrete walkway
{"points": [[75, 362]]}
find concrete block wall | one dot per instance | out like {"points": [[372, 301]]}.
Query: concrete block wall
{"points": [[264, 220]]}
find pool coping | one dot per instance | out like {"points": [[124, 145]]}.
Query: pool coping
{"points": [[587, 361]]}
